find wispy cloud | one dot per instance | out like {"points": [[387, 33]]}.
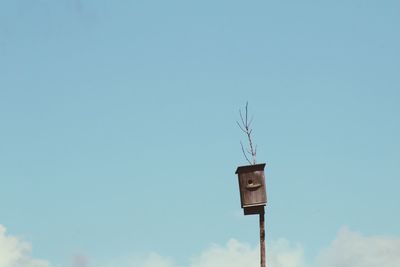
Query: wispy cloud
{"points": [[348, 249], [15, 252], [233, 254], [236, 254], [351, 249]]}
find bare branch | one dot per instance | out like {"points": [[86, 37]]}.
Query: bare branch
{"points": [[251, 120], [244, 153], [241, 118], [241, 128], [247, 103], [245, 127]]}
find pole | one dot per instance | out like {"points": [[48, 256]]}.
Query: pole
{"points": [[262, 237]]}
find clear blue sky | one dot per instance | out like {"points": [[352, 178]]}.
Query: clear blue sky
{"points": [[118, 134]]}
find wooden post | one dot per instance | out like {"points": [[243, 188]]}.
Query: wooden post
{"points": [[262, 238], [253, 198]]}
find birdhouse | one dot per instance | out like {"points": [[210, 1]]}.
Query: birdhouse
{"points": [[253, 195]]}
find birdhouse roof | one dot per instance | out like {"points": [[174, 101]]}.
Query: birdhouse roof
{"points": [[250, 168]]}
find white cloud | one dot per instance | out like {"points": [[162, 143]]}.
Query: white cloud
{"points": [[233, 254], [15, 252], [282, 253], [348, 249], [236, 254], [351, 249]]}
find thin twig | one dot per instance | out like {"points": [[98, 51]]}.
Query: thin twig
{"points": [[245, 127], [240, 127], [244, 153]]}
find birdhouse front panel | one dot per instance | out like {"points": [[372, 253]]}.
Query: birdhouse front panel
{"points": [[252, 185]]}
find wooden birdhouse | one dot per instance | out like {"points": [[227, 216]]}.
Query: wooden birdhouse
{"points": [[253, 194]]}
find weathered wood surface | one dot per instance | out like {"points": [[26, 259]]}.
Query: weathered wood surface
{"points": [[262, 238], [252, 188]]}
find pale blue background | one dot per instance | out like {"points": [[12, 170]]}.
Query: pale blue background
{"points": [[118, 134]]}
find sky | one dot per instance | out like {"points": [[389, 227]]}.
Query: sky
{"points": [[119, 143]]}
